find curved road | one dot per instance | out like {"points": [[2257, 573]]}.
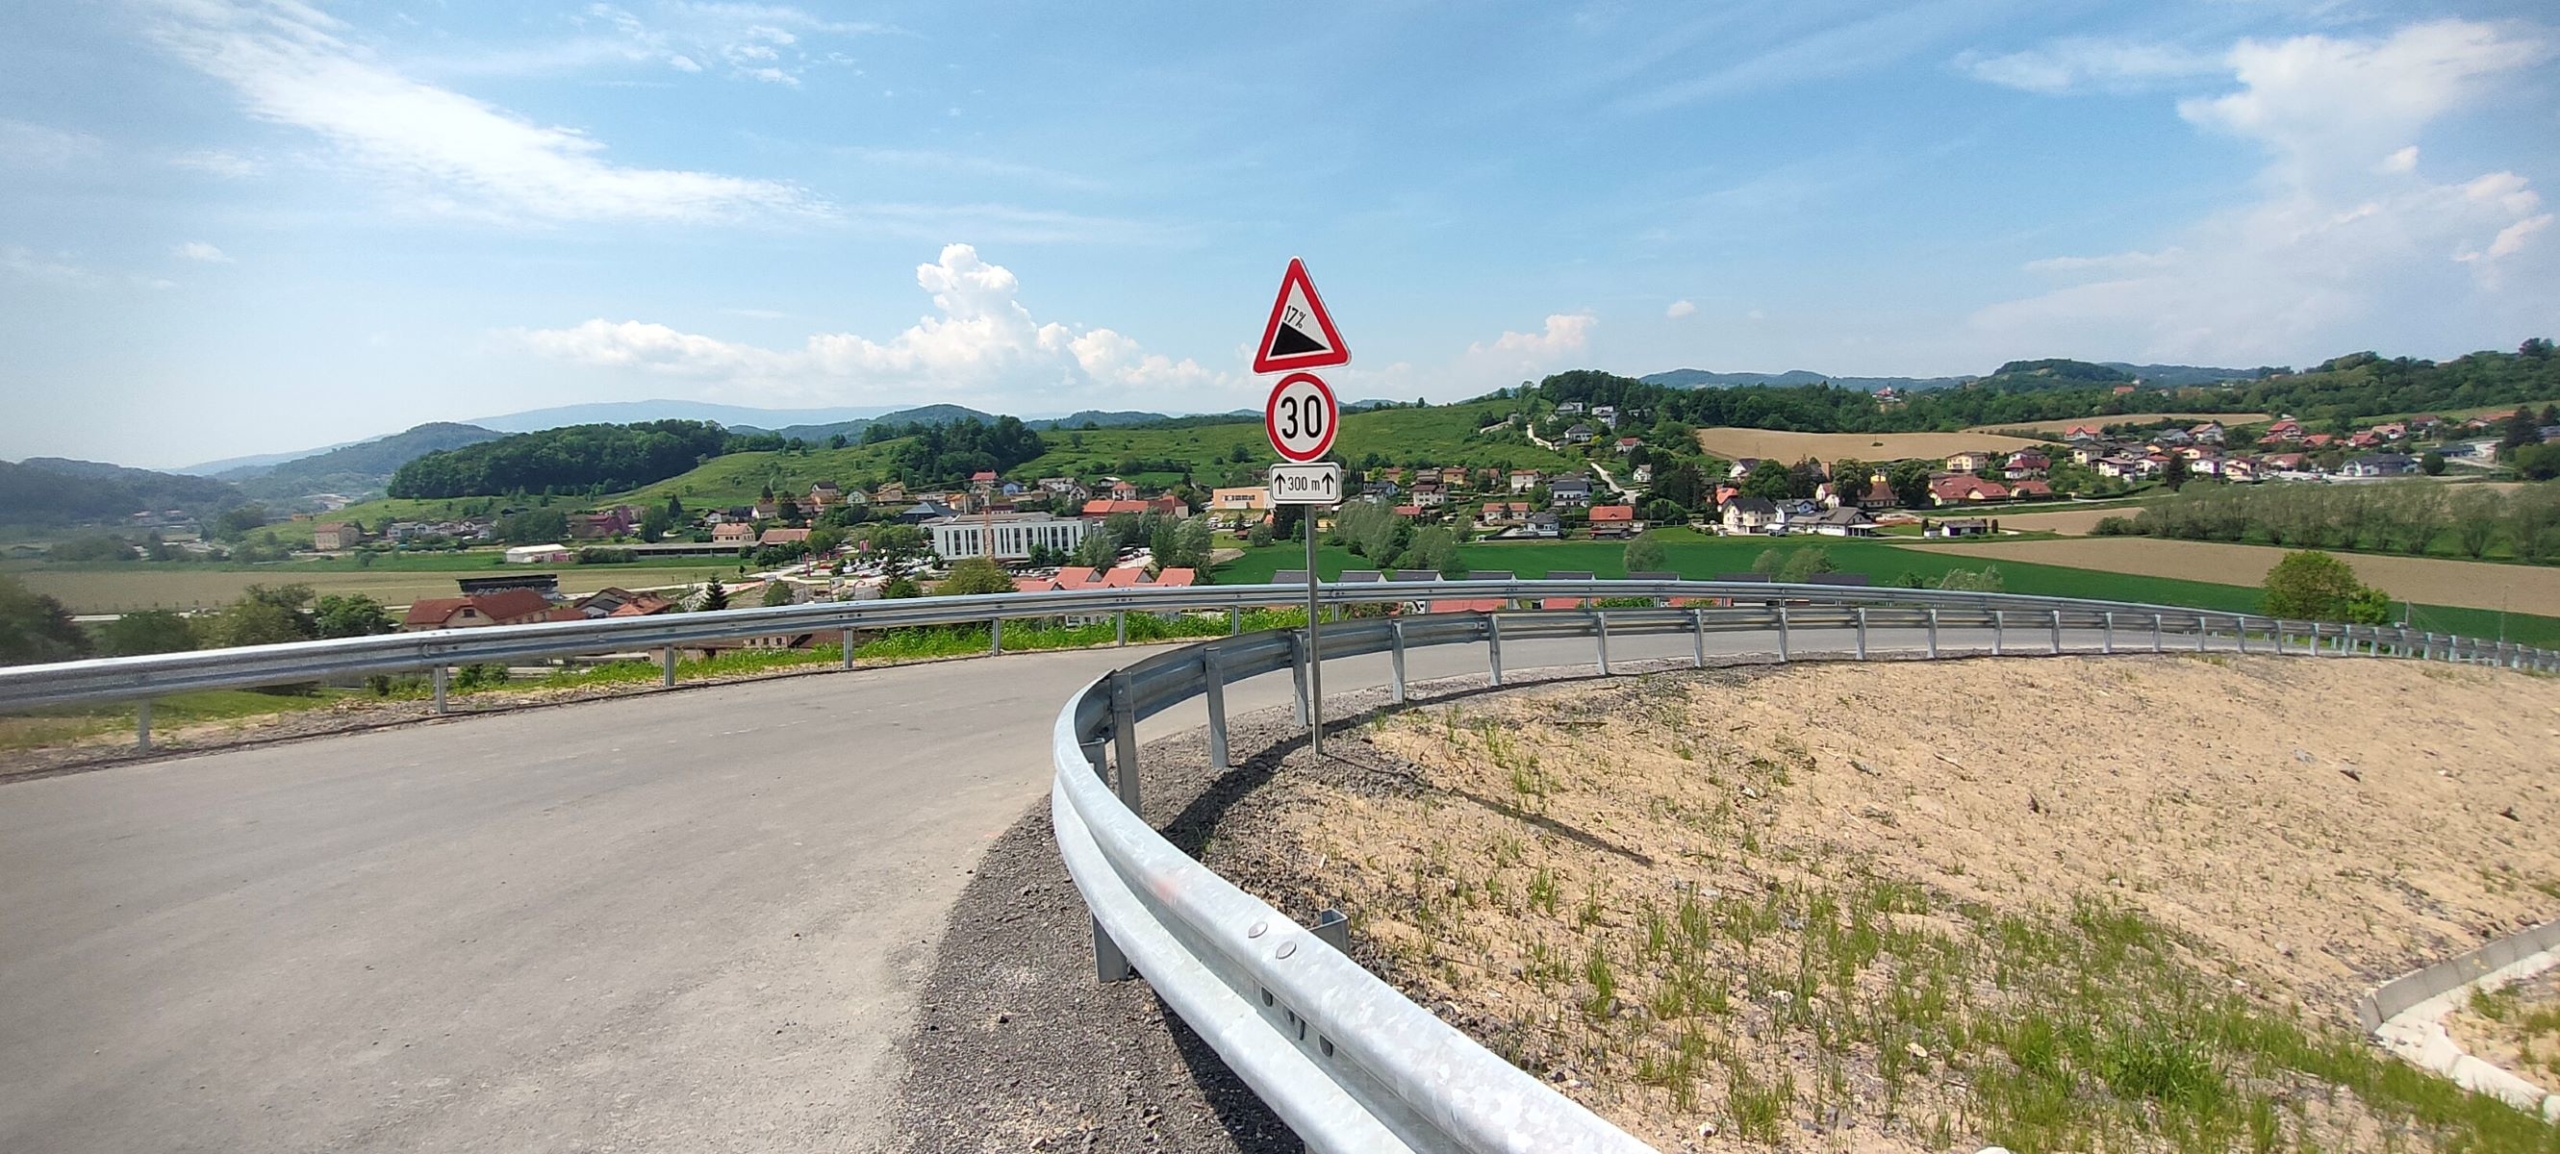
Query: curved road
{"points": [[684, 921]]}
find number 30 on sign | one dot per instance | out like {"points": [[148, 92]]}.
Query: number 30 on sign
{"points": [[1300, 417]]}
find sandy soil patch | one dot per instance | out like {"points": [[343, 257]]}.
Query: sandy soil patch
{"points": [[2065, 426], [2426, 580], [1736, 443], [2076, 522], [1913, 906]]}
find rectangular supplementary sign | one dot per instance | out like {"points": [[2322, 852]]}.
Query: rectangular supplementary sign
{"points": [[1316, 484]]}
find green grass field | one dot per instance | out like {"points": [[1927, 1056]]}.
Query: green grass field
{"points": [[1699, 558], [1440, 435], [56, 727]]}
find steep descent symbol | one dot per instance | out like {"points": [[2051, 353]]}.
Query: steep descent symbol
{"points": [[1300, 334]]}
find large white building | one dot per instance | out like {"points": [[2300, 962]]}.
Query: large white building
{"points": [[1015, 534]]}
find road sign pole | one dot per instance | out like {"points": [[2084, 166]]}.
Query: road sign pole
{"points": [[1315, 655]]}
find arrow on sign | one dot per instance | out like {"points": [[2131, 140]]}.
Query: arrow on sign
{"points": [[1317, 484], [1300, 334]]}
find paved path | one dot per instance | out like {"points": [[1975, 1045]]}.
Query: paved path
{"points": [[685, 922]]}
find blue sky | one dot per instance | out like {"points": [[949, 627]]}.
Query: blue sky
{"points": [[230, 226]]}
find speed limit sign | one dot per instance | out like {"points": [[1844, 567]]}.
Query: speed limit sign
{"points": [[1300, 417]]}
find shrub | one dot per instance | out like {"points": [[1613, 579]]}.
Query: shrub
{"points": [[2310, 585]]}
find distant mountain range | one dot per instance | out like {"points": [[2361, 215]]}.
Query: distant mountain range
{"points": [[2166, 375], [60, 491], [628, 412]]}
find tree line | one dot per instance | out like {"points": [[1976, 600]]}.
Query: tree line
{"points": [[2356, 385], [573, 459], [2410, 517], [947, 453]]}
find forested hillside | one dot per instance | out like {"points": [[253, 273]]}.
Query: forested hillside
{"points": [[576, 459], [53, 491], [2357, 385], [354, 468]]}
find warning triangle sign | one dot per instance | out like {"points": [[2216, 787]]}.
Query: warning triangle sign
{"points": [[1300, 334]]}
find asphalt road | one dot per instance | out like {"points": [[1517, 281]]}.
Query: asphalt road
{"points": [[688, 921]]}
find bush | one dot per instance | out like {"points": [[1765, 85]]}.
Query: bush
{"points": [[149, 631], [975, 575], [2313, 586], [606, 556], [1988, 580], [471, 677], [2116, 527], [1646, 555]]}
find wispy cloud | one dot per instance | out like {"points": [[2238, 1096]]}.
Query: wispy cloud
{"points": [[36, 146], [63, 269], [1840, 50], [772, 43], [1680, 308], [197, 250], [2080, 64], [439, 151]]}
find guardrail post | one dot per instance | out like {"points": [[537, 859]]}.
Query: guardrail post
{"points": [[2315, 639], [439, 681], [1122, 619], [1783, 655], [1493, 645], [1109, 964], [1395, 657], [2240, 632], [847, 641], [2107, 636], [667, 666], [2159, 635], [142, 725], [1698, 638], [995, 636], [2201, 631], [1298, 672], [1933, 633], [1600, 627], [1124, 741], [1214, 676], [2056, 646], [1862, 632], [1235, 621], [1333, 928], [1999, 632]]}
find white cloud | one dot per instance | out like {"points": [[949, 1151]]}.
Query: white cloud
{"points": [[2081, 64], [1565, 333], [980, 343], [216, 162], [63, 269], [1679, 309], [2334, 246], [442, 151], [199, 250], [28, 146]]}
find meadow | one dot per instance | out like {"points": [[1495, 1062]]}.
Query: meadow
{"points": [[1733, 444]]}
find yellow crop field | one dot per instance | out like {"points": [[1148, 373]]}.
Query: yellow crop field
{"points": [[1736, 443], [2064, 426], [2470, 584]]}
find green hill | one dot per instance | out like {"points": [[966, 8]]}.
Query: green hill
{"points": [[357, 468], [1236, 453]]}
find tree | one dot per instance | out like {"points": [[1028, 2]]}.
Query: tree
{"points": [[1259, 535], [147, 631], [1098, 550], [1435, 549], [35, 627], [1371, 530], [2431, 463], [2176, 473], [655, 523], [350, 615], [2537, 462], [2310, 585], [777, 594], [1646, 555], [1910, 483], [1768, 479], [237, 523], [2475, 520], [715, 596], [824, 542], [2520, 430], [1803, 564], [534, 527], [900, 587], [973, 575]]}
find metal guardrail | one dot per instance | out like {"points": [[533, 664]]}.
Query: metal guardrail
{"points": [[1348, 1062], [141, 678], [1345, 1059]]}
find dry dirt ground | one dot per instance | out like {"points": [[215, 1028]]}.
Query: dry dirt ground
{"points": [[1735, 443], [2065, 426], [2427, 580], [1847, 907], [2075, 522]]}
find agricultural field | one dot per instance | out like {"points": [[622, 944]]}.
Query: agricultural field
{"points": [[1844, 907], [2058, 428], [1768, 444], [2475, 584], [122, 588], [1705, 558]]}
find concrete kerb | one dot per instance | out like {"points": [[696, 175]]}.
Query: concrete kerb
{"points": [[2406, 1014]]}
